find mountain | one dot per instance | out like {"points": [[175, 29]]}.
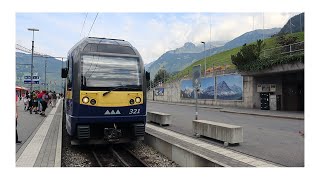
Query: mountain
{"points": [[180, 58], [53, 71], [207, 93], [189, 47], [173, 62], [236, 89], [228, 93], [250, 37], [297, 25], [187, 93], [146, 66], [223, 89]]}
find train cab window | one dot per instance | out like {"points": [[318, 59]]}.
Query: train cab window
{"points": [[109, 48], [108, 72]]}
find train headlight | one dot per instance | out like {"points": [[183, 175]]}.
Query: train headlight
{"points": [[93, 101], [85, 100], [131, 101], [138, 99]]}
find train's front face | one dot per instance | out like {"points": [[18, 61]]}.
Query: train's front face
{"points": [[112, 104]]}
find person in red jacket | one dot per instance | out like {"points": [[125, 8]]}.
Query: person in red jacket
{"points": [[44, 102]]}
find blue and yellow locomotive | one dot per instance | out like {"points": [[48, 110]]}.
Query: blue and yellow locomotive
{"points": [[105, 93]]}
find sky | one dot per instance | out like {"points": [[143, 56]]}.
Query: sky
{"points": [[152, 33]]}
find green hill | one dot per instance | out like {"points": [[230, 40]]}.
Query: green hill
{"points": [[53, 77], [224, 58]]}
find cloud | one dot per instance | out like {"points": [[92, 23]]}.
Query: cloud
{"points": [[196, 28], [151, 33]]}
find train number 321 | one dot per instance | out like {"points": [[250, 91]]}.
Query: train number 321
{"points": [[134, 111]]}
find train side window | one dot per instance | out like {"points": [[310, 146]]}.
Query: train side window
{"points": [[69, 85]]}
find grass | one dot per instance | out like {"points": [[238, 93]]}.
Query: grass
{"points": [[224, 58]]}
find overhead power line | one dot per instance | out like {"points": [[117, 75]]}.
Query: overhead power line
{"points": [[24, 49], [93, 23], [37, 54], [83, 24]]}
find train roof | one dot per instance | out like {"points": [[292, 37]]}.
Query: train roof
{"points": [[108, 41], [98, 40]]}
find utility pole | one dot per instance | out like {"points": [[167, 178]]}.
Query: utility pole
{"points": [[45, 75], [45, 70], [205, 58], [31, 77], [61, 77]]}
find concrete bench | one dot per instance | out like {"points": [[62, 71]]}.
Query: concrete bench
{"points": [[159, 117], [224, 132]]}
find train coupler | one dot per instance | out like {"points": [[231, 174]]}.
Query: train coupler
{"points": [[112, 135]]}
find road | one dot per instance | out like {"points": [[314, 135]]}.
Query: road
{"points": [[274, 139]]}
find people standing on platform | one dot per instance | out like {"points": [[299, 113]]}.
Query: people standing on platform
{"points": [[17, 138], [39, 96], [50, 98], [20, 95], [26, 100], [54, 99], [34, 103], [44, 102], [31, 102]]}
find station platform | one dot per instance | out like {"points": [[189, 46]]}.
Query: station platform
{"points": [[43, 147], [191, 152]]}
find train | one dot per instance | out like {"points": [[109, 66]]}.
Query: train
{"points": [[105, 92]]}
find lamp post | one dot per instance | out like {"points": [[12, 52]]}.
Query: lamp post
{"points": [[61, 77], [205, 58], [31, 77]]}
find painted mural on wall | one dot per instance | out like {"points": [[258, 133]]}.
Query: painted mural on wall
{"points": [[229, 87], [186, 89], [207, 88], [159, 92]]}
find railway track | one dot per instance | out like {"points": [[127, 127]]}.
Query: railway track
{"points": [[117, 156]]}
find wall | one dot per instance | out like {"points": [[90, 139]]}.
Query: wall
{"points": [[172, 94]]}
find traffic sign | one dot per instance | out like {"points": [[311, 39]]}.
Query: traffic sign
{"points": [[196, 75], [28, 77], [29, 82]]}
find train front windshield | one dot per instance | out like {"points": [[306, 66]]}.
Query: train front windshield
{"points": [[105, 72]]}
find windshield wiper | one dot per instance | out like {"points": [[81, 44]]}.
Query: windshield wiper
{"points": [[119, 87], [107, 92]]}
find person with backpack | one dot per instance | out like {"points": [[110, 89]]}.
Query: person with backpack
{"points": [[34, 103]]}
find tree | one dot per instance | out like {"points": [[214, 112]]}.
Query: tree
{"points": [[247, 55], [161, 76], [286, 40]]}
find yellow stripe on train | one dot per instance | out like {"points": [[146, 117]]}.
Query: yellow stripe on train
{"points": [[111, 99], [69, 94]]}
